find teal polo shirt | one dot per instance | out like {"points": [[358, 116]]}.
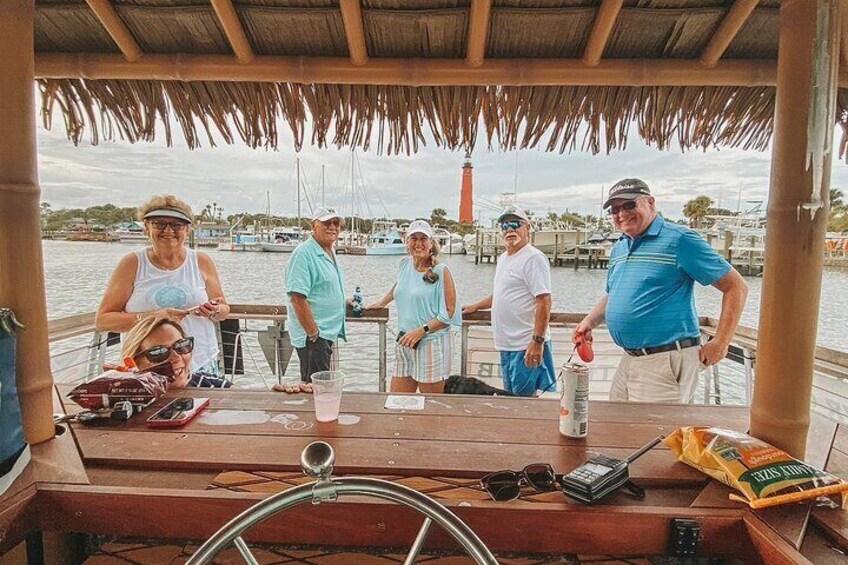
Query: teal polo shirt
{"points": [[650, 285], [312, 273]]}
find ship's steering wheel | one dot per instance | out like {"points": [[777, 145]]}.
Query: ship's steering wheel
{"points": [[317, 462]]}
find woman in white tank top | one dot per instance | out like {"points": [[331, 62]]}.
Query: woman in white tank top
{"points": [[167, 278]]}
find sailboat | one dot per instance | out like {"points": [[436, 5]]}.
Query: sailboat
{"points": [[286, 240]]}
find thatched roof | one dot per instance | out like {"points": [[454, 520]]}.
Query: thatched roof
{"points": [[395, 117]]}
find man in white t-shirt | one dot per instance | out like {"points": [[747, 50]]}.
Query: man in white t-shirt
{"points": [[521, 308]]}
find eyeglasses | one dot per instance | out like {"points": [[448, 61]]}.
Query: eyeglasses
{"points": [[334, 222], [505, 226], [162, 225], [160, 353], [506, 485], [430, 276], [626, 207]]}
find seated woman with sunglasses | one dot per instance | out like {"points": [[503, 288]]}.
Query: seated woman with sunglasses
{"points": [[426, 305], [169, 279], [159, 342]]}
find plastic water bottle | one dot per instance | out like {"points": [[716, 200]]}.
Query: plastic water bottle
{"points": [[357, 302]]}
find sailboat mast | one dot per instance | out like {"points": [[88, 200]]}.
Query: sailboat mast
{"points": [[298, 193], [352, 191], [323, 192]]}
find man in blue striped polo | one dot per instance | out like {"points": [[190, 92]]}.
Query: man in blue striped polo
{"points": [[649, 307]]}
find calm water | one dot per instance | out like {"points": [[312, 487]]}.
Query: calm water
{"points": [[76, 274]]}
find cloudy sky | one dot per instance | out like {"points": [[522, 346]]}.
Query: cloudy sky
{"points": [[238, 178]]}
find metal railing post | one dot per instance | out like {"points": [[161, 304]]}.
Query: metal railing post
{"points": [[463, 355], [382, 356]]}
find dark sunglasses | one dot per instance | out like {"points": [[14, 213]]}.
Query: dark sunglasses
{"points": [[514, 224], [162, 225], [160, 353], [626, 207], [334, 222], [506, 485]]}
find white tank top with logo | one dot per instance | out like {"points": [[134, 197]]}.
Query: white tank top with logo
{"points": [[183, 287]]}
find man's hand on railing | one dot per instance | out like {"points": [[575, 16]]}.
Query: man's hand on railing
{"points": [[712, 352], [469, 308]]}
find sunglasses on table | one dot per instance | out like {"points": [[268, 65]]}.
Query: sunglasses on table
{"points": [[626, 207], [162, 225], [160, 353], [513, 224], [506, 485]]}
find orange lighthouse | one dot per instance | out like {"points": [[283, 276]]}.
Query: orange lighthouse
{"points": [[466, 198]]}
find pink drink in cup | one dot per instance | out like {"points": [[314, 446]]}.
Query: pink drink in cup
{"points": [[327, 394]]}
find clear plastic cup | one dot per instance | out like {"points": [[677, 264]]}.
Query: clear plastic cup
{"points": [[327, 394]]}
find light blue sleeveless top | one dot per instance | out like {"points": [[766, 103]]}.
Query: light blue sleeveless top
{"points": [[418, 302]]}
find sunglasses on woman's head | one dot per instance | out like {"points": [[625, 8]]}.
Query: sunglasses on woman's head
{"points": [[514, 224], [160, 353], [506, 485], [626, 207], [430, 277]]}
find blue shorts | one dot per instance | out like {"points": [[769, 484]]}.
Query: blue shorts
{"points": [[523, 380]]}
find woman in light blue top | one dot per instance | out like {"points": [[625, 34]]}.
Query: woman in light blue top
{"points": [[427, 306]]}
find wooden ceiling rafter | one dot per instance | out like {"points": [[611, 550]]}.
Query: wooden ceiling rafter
{"points": [[601, 31], [355, 31], [727, 30], [233, 29], [116, 28], [843, 39], [478, 32]]}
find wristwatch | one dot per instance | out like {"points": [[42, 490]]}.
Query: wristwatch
{"points": [[539, 339], [426, 329]]}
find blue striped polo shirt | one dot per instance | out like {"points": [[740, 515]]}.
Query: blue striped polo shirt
{"points": [[650, 284]]}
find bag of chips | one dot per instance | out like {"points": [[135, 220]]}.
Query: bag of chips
{"points": [[116, 386], [765, 475]]}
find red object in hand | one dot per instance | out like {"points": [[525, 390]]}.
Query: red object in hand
{"points": [[584, 350]]}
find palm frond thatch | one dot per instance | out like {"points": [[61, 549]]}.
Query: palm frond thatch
{"points": [[393, 119]]}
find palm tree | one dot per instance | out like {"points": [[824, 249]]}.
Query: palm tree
{"points": [[836, 200], [438, 216], [696, 209]]}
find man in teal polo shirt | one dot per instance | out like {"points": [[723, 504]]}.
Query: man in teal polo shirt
{"points": [[649, 307], [315, 289]]}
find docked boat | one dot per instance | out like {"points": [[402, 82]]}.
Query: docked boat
{"points": [[450, 243], [285, 240], [385, 239]]}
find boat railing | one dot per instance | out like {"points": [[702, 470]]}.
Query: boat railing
{"points": [[255, 346]]}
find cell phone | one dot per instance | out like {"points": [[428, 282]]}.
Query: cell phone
{"points": [[177, 413], [213, 302]]}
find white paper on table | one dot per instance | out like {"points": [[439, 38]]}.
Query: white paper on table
{"points": [[394, 402]]}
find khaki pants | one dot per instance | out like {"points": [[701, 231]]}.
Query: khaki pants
{"points": [[669, 377]]}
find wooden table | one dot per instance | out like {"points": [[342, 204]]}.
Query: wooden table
{"points": [[156, 482]]}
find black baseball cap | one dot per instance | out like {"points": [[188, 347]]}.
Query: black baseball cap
{"points": [[627, 189]]}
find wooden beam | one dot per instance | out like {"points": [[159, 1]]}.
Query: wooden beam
{"points": [[733, 21], [355, 31], [843, 39], [21, 262], [601, 30], [117, 28], [478, 32], [408, 72], [235, 32]]}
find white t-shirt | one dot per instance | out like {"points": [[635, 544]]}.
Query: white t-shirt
{"points": [[519, 279]]}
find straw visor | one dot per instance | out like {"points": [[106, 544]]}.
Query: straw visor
{"points": [[168, 212]]}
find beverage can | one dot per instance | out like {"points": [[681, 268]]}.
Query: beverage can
{"points": [[574, 402]]}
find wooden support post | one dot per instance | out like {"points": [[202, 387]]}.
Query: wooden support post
{"points": [[355, 31], [478, 32], [21, 266], [805, 108], [116, 28]]}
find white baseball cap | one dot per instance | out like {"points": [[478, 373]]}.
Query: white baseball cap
{"points": [[325, 213], [420, 226], [513, 212]]}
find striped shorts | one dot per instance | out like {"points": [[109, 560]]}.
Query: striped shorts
{"points": [[430, 362]]}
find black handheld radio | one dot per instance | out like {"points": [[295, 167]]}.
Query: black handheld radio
{"points": [[602, 475]]}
